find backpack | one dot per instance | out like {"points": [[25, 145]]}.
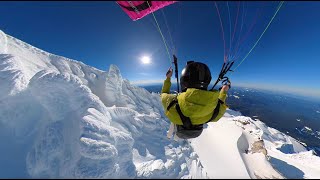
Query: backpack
{"points": [[188, 130]]}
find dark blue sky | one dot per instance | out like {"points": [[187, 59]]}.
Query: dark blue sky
{"points": [[100, 34]]}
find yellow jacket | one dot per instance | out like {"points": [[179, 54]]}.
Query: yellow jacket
{"points": [[196, 104]]}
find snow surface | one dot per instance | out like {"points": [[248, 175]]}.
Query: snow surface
{"points": [[236, 96], [60, 118], [307, 128]]}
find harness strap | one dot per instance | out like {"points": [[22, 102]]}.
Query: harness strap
{"points": [[174, 101], [216, 111], [186, 120]]}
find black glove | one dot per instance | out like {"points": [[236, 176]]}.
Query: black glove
{"points": [[169, 71], [226, 82]]}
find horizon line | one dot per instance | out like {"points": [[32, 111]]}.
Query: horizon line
{"points": [[271, 87]]}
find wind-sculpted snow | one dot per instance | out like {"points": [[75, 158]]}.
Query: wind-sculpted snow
{"points": [[12, 70], [4, 42], [75, 139], [65, 119]]}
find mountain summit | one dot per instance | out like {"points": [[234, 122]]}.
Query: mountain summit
{"points": [[61, 118]]}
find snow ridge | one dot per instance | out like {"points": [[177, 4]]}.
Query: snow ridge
{"points": [[69, 120], [3, 43]]}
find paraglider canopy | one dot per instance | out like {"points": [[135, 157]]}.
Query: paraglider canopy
{"points": [[138, 9]]}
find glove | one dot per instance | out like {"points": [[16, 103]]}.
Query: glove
{"points": [[169, 72], [226, 82]]}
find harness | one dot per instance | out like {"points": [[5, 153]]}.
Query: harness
{"points": [[188, 128]]}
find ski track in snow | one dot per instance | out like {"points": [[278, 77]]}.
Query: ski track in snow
{"points": [[61, 118]]}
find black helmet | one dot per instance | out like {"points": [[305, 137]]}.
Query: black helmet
{"points": [[195, 75]]}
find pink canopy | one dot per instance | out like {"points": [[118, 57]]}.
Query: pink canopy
{"points": [[138, 9]]}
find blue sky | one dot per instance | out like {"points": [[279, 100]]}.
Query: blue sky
{"points": [[100, 34]]}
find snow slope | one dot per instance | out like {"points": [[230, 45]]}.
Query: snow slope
{"points": [[64, 119], [60, 118]]}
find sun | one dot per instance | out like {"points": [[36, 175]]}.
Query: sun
{"points": [[146, 60]]}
